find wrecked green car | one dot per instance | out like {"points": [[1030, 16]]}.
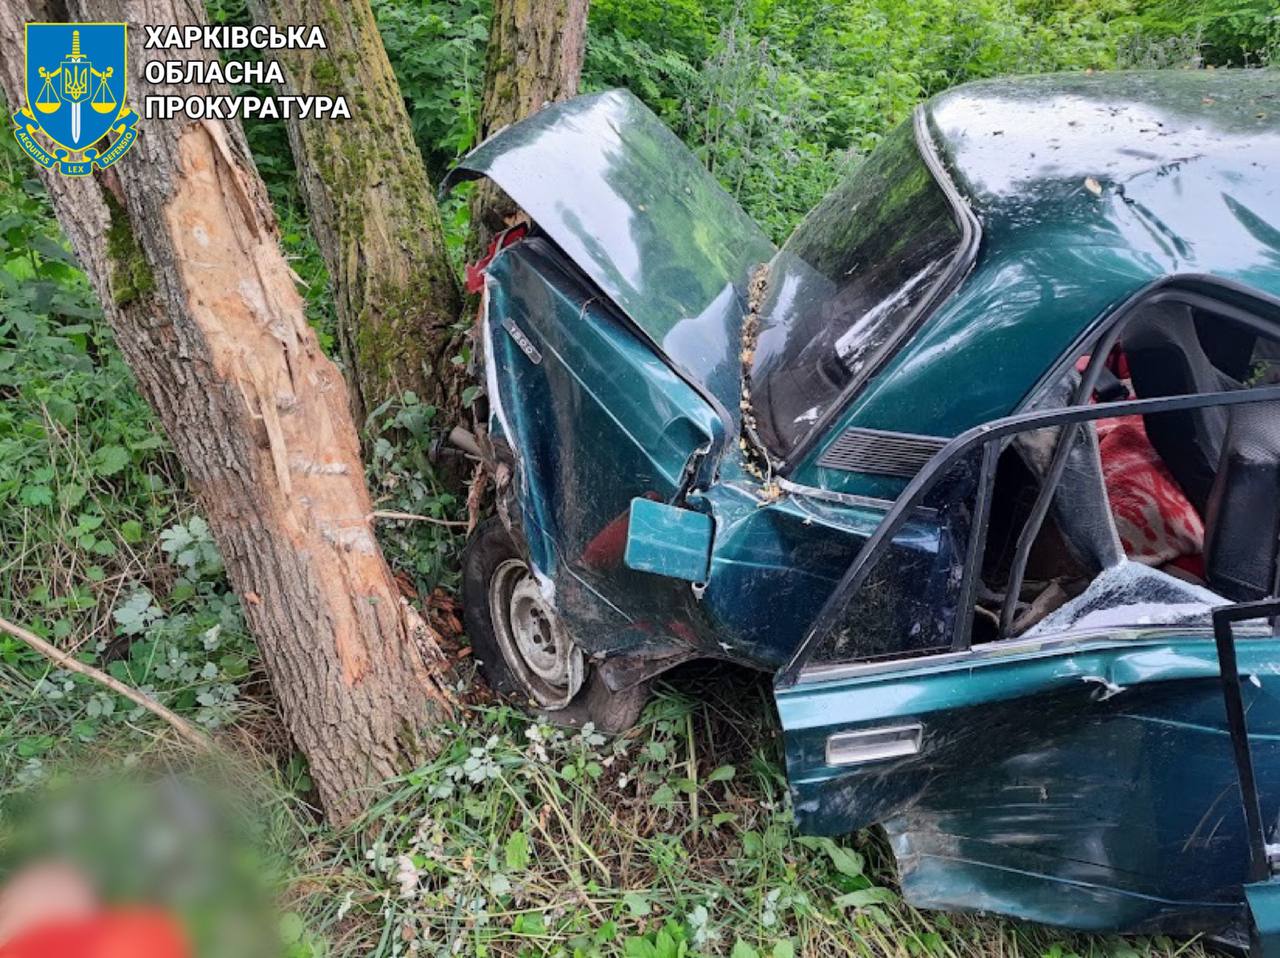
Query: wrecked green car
{"points": [[967, 465]]}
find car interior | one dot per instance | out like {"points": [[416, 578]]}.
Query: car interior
{"points": [[1157, 518]]}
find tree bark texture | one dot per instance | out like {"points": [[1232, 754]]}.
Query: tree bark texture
{"points": [[534, 57], [180, 243], [372, 211]]}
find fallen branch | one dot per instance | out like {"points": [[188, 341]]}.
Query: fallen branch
{"points": [[414, 517], [180, 725]]}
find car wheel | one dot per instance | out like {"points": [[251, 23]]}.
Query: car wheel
{"points": [[522, 647], [516, 636]]}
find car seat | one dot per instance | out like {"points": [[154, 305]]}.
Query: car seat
{"points": [[1080, 507], [1243, 522], [1166, 358]]}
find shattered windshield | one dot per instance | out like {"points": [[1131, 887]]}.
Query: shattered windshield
{"points": [[842, 290]]}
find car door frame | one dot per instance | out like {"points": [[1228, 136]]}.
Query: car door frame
{"points": [[923, 744], [1230, 300], [987, 437], [862, 737]]}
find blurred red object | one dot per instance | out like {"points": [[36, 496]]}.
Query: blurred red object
{"points": [[475, 271], [138, 933]]}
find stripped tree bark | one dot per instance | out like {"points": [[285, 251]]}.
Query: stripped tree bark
{"points": [[180, 243], [534, 57], [372, 211]]}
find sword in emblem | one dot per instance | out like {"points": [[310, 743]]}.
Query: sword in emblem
{"points": [[75, 83]]}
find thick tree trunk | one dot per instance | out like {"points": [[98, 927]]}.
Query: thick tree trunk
{"points": [[534, 57], [372, 211], [179, 240]]}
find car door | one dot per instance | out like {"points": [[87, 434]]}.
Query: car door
{"points": [[1080, 774]]}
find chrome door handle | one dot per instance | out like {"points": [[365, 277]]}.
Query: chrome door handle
{"points": [[874, 744]]}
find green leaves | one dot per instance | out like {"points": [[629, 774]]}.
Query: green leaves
{"points": [[83, 468], [866, 898], [845, 860], [136, 613], [70, 495], [109, 460], [36, 495], [517, 852], [190, 545], [775, 97], [669, 942], [637, 904], [291, 928], [437, 50], [404, 479]]}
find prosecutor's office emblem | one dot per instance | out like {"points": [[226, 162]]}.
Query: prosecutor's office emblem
{"points": [[75, 117]]}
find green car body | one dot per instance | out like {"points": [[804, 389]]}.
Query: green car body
{"points": [[799, 460]]}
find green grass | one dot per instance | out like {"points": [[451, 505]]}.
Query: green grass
{"points": [[521, 839], [672, 839]]}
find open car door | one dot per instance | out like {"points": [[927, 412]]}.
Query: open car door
{"points": [[1080, 774], [1263, 889]]}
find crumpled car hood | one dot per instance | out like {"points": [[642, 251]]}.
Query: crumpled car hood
{"points": [[637, 212]]}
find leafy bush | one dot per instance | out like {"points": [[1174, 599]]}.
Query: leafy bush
{"points": [[85, 477], [773, 95], [1227, 32], [402, 479], [436, 48], [99, 551]]}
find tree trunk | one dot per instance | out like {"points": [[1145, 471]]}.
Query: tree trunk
{"points": [[180, 243], [534, 57], [373, 212]]}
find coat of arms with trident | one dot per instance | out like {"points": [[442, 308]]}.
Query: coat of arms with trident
{"points": [[70, 65], [75, 72]]}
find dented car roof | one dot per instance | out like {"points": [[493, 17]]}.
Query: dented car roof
{"points": [[1136, 159]]}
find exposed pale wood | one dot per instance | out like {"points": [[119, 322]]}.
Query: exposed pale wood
{"points": [[64, 661], [180, 242]]}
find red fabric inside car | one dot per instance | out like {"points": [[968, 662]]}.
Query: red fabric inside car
{"points": [[1157, 523]]}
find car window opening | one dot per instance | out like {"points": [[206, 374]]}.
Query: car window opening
{"points": [[1157, 518], [1124, 540]]}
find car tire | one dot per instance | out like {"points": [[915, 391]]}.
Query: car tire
{"points": [[520, 646]]}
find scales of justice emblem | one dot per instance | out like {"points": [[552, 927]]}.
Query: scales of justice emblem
{"points": [[76, 82]]}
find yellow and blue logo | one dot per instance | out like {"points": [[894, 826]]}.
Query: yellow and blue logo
{"points": [[76, 85]]}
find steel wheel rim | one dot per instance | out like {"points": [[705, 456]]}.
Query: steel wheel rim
{"points": [[533, 642]]}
